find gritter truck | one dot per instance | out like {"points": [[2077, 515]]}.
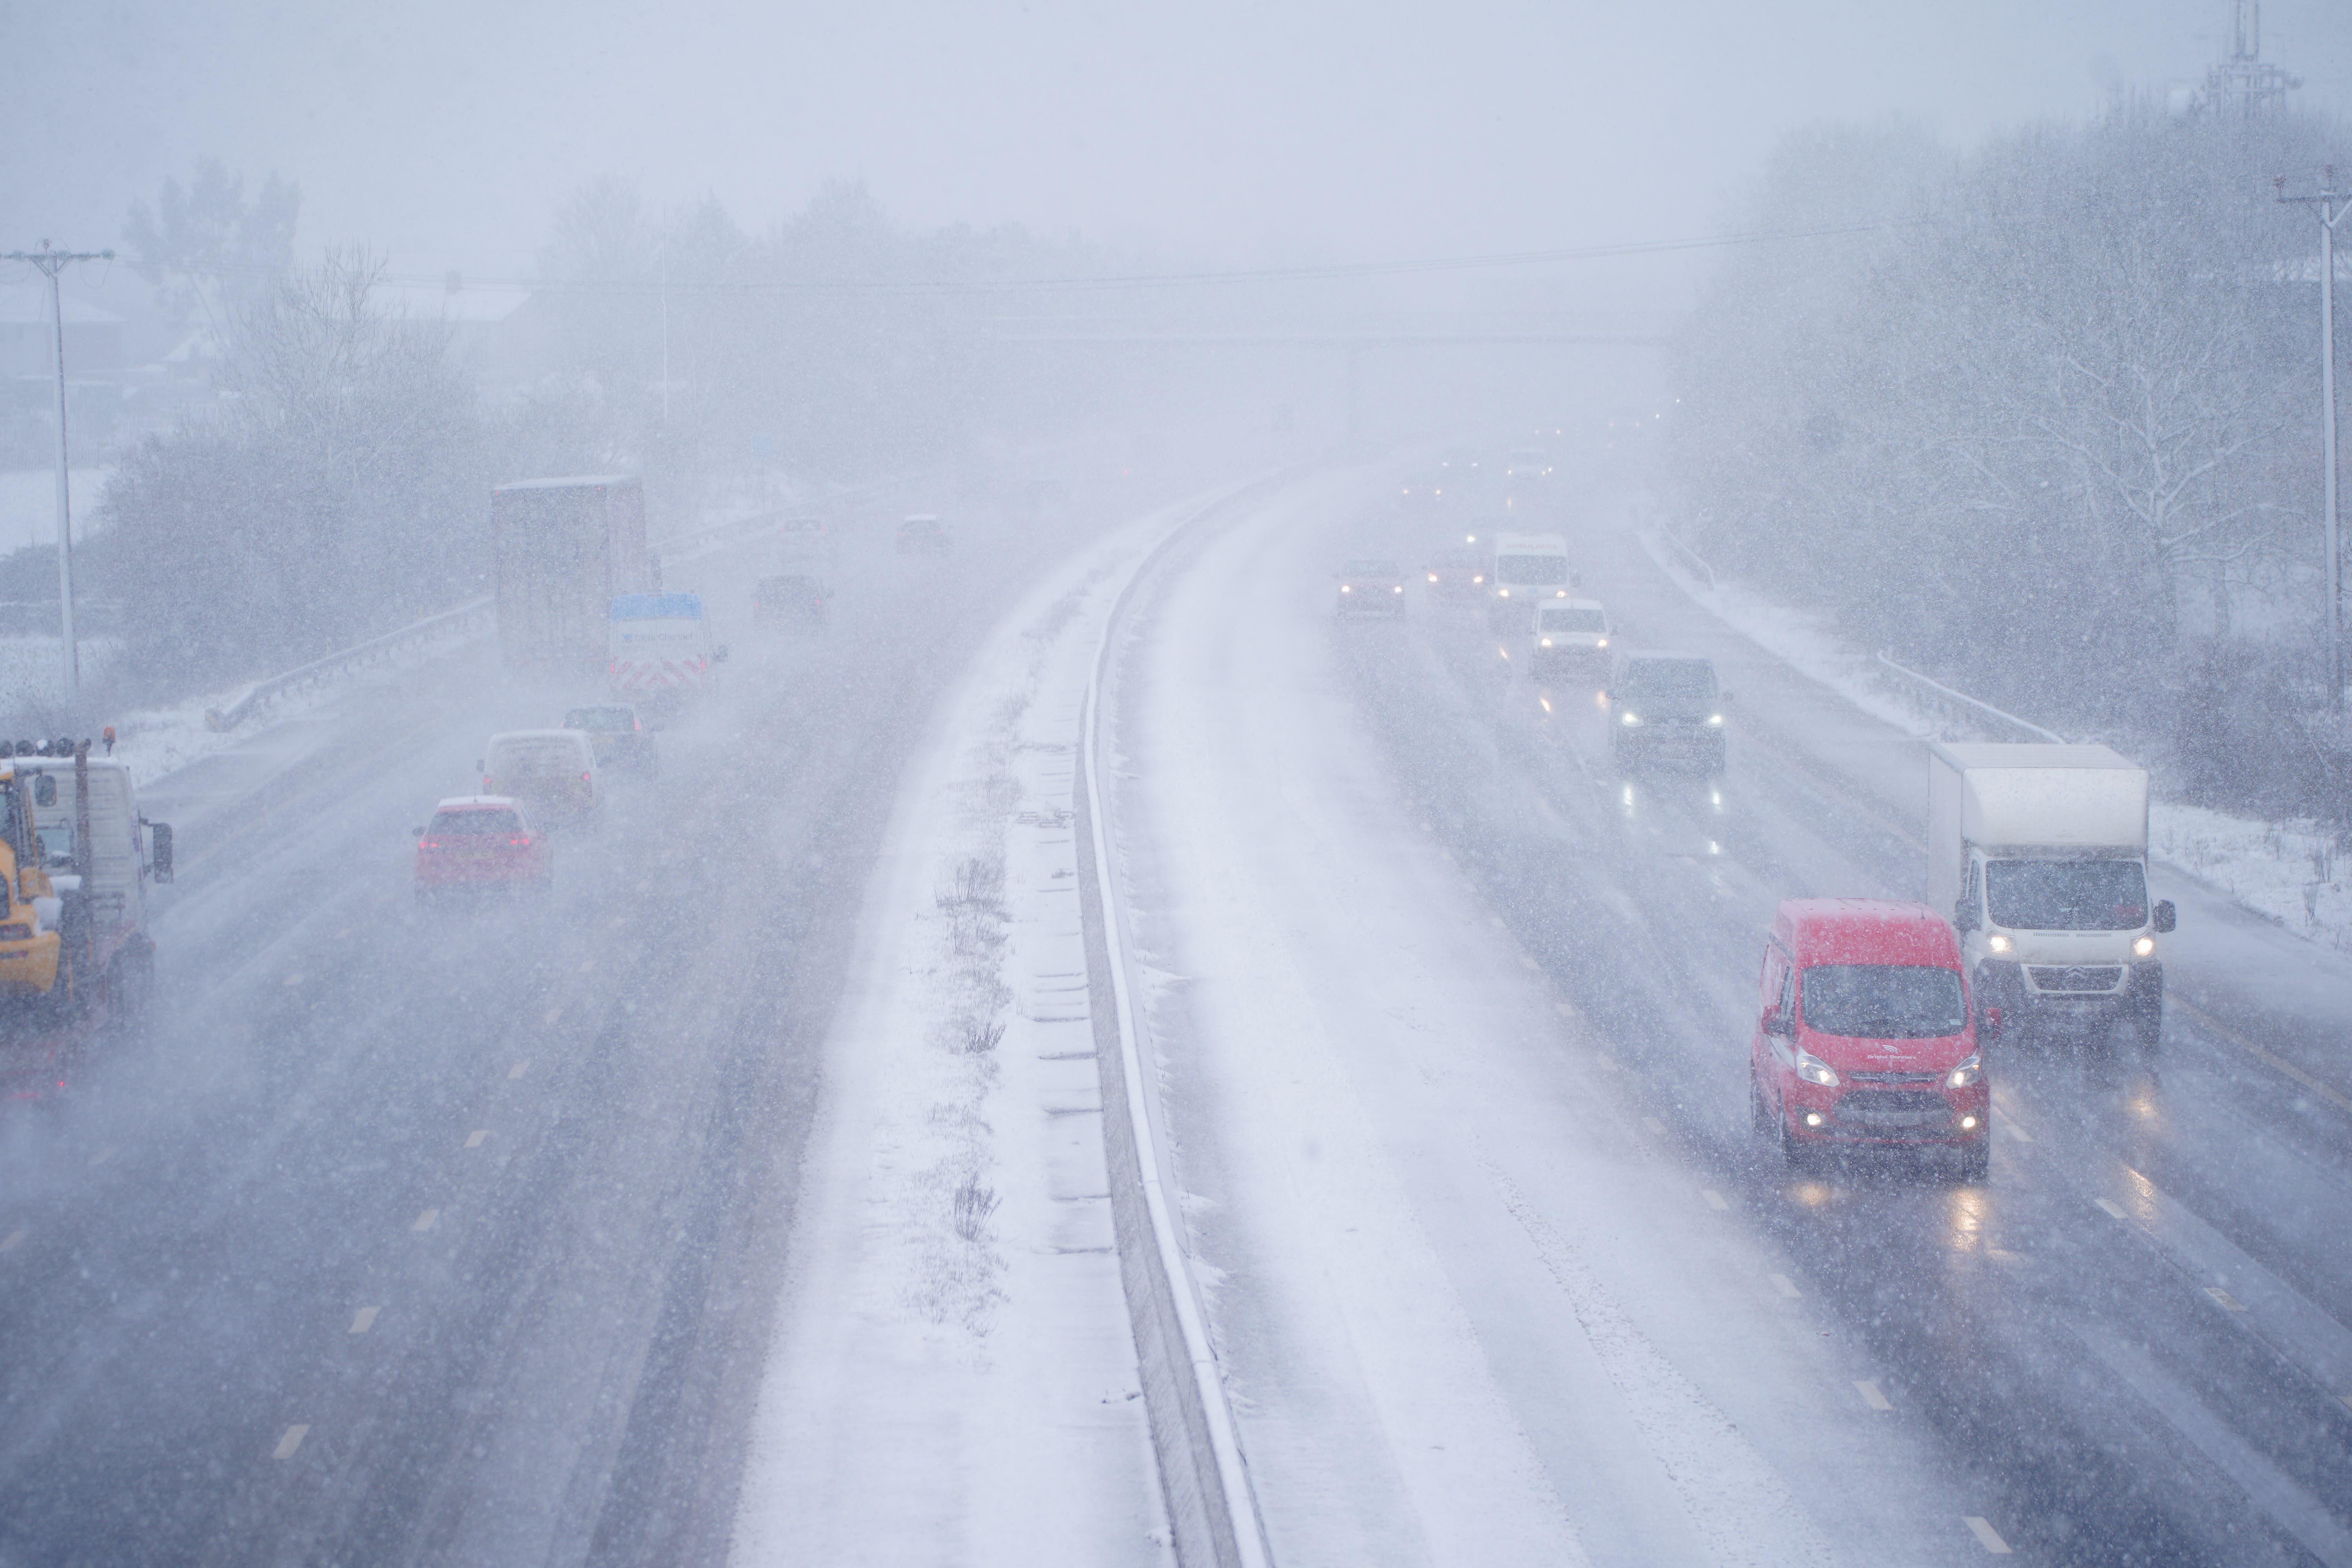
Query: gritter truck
{"points": [[75, 955], [2039, 852], [563, 550]]}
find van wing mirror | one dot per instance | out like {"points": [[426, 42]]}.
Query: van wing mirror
{"points": [[1775, 1022], [159, 860], [1989, 1022], [1963, 914], [2166, 916]]}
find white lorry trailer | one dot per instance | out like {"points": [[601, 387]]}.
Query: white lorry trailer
{"points": [[2039, 852]]}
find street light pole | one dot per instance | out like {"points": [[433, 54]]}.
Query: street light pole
{"points": [[51, 262], [2329, 205]]}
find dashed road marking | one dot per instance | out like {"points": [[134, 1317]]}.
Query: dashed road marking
{"points": [[518, 1069], [364, 1319], [2114, 1210], [1496, 920], [1653, 1124], [1563, 1009], [2228, 1302], [1714, 1199], [474, 1139], [1786, 1285], [427, 1220], [1870, 1394], [14, 1239], [1530, 962], [586, 964], [101, 1157], [2015, 1134], [552, 1015], [292, 980], [2346, 1398], [2268, 1059], [1987, 1536], [289, 1442]]}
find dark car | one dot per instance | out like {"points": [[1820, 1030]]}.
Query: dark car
{"points": [[790, 600], [1459, 573], [619, 734], [922, 535], [1665, 707], [1370, 587], [482, 843]]}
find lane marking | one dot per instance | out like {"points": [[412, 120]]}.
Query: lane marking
{"points": [[365, 1320], [474, 1139], [1786, 1285], [1653, 1124], [1987, 1536], [586, 964], [1870, 1394], [1563, 1009], [552, 1015], [515, 1071], [426, 1220], [2114, 1210], [1530, 962], [1714, 1199], [14, 1239], [2346, 1398], [292, 980], [2016, 1134], [2228, 1303], [101, 1157], [2339, 1101], [291, 1441], [1497, 920]]}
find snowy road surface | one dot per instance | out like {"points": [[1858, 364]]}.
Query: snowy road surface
{"points": [[455, 1238], [1454, 1042]]}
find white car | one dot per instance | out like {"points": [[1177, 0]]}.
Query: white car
{"points": [[1570, 634]]}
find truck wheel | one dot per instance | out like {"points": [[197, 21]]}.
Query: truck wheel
{"points": [[131, 992]]}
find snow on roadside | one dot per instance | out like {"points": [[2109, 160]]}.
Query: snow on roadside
{"points": [[2289, 872], [953, 1377]]}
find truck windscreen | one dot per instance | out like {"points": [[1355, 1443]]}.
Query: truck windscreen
{"points": [[1883, 1001], [2066, 895], [1532, 570]]}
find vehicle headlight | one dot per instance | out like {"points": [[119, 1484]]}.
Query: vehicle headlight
{"points": [[1967, 1073], [1481, 578], [1602, 643], [1432, 576], [1345, 589], [1398, 589], [2143, 947], [1996, 943], [1506, 592], [1812, 1069], [1715, 720], [1629, 719], [1546, 642]]}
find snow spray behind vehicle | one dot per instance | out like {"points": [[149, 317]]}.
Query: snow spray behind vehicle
{"points": [[660, 652]]}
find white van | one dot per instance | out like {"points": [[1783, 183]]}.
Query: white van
{"points": [[553, 772], [1529, 568], [1569, 634]]}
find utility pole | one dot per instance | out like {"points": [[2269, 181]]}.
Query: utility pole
{"points": [[2329, 205], [51, 262]]}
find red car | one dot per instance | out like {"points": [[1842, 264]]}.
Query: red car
{"points": [[482, 843], [1865, 1035]]}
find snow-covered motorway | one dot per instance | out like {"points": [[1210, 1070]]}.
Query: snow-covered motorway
{"points": [[454, 1237], [1455, 1025]]}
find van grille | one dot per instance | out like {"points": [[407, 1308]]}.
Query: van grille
{"points": [[2077, 978], [1894, 1112]]}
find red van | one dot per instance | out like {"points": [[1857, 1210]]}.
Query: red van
{"points": [[1865, 1035]]}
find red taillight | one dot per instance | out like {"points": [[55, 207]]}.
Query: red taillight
{"points": [[428, 844], [519, 843], [585, 779]]}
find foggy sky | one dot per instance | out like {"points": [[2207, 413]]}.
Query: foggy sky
{"points": [[1223, 132]]}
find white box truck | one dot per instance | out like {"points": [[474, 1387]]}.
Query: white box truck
{"points": [[2039, 852]]}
